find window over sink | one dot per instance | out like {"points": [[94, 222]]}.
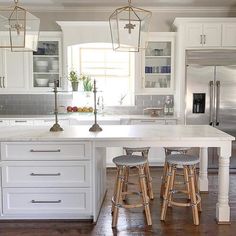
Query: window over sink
{"points": [[113, 71]]}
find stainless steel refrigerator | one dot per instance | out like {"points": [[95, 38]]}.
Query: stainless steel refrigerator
{"points": [[211, 95]]}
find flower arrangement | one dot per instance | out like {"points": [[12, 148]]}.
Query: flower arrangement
{"points": [[87, 83]]}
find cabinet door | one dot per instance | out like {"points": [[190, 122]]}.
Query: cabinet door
{"points": [[229, 35], [14, 70], [212, 35], [193, 35], [158, 65], [46, 63]]}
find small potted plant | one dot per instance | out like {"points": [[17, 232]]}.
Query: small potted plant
{"points": [[87, 83], [74, 79]]}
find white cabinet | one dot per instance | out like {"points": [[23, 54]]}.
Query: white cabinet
{"points": [[14, 70], [46, 180], [46, 63], [157, 75], [203, 35], [229, 34]]}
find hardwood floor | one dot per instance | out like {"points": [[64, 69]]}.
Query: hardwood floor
{"points": [[179, 220]]}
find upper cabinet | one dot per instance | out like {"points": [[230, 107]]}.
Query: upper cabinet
{"points": [[14, 72], [46, 62], [207, 32], [229, 34], [203, 35], [157, 67]]}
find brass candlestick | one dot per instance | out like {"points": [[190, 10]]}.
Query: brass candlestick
{"points": [[95, 127], [56, 127]]}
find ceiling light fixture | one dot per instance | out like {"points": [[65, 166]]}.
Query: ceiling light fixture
{"points": [[19, 29], [129, 28]]}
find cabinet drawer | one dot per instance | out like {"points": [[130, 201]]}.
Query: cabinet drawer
{"points": [[4, 122], [21, 122], [48, 122], [45, 151], [46, 174], [147, 122], [46, 201], [171, 122]]}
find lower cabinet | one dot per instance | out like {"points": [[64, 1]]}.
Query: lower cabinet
{"points": [[46, 180]]}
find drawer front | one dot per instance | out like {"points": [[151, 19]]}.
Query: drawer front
{"points": [[21, 122], [47, 122], [46, 174], [46, 201], [45, 151], [171, 122], [147, 122], [4, 122]]}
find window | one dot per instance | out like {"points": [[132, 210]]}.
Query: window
{"points": [[113, 71]]}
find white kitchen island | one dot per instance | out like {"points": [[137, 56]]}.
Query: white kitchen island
{"points": [[62, 175]]}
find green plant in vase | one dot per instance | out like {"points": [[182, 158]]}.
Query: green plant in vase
{"points": [[74, 79], [87, 83]]}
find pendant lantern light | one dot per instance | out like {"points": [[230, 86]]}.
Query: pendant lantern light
{"points": [[19, 29], [129, 28]]}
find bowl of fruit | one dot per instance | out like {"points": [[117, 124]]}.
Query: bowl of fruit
{"points": [[79, 109]]}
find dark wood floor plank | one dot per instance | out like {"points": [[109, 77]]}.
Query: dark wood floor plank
{"points": [[178, 223]]}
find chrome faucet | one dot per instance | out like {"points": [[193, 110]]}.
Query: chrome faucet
{"points": [[100, 104]]}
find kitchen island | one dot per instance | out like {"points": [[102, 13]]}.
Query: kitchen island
{"points": [[62, 175]]}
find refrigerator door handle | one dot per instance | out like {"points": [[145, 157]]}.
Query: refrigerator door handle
{"points": [[211, 102], [217, 101]]}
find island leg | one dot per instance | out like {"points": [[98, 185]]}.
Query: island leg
{"points": [[222, 206], [203, 174]]}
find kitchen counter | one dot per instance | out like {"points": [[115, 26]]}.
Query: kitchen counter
{"points": [[32, 159], [83, 116], [116, 132]]}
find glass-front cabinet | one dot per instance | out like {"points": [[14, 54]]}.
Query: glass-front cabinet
{"points": [[46, 65], [158, 63]]}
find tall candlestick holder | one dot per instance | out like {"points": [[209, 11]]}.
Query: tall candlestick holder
{"points": [[56, 127], [95, 127]]}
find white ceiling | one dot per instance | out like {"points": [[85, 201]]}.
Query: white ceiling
{"points": [[69, 4]]}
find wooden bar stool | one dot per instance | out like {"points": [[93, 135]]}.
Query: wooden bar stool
{"points": [[144, 152], [122, 163], [168, 151], [189, 163]]}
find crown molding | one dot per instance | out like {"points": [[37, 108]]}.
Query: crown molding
{"points": [[111, 9]]}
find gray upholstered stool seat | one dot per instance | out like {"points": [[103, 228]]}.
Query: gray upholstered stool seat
{"points": [[182, 159], [129, 160]]}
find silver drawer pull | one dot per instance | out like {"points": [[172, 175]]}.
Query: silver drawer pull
{"points": [[57, 174], [20, 121], [34, 201], [32, 150]]}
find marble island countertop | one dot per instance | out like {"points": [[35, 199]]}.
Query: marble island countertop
{"points": [[115, 132], [86, 116]]}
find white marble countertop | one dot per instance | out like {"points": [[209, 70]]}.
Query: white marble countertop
{"points": [[86, 116], [115, 132]]}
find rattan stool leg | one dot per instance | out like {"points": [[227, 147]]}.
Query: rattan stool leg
{"points": [[193, 195], [197, 188], [117, 197], [186, 180], [126, 182], [115, 189], [163, 180], [149, 181], [172, 181], [142, 180], [167, 191]]}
